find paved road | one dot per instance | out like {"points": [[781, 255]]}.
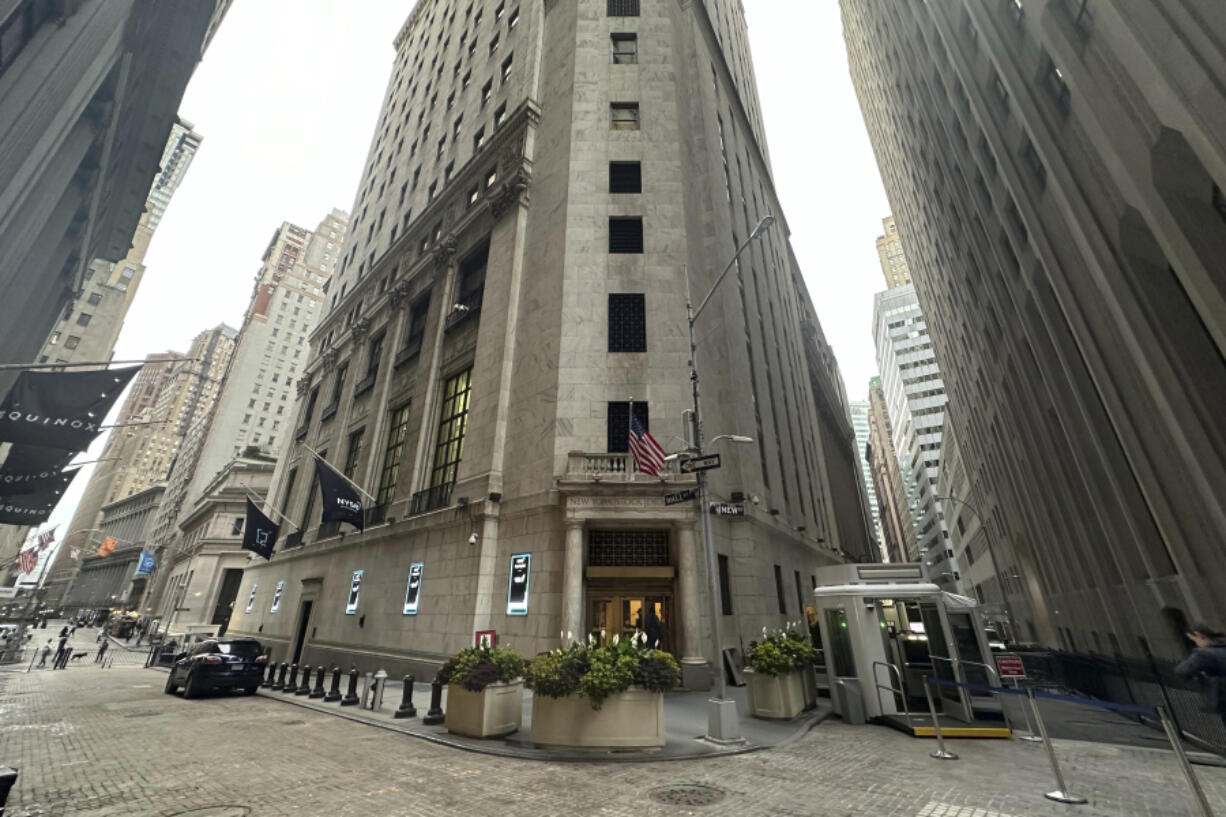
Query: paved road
{"points": [[109, 743]]}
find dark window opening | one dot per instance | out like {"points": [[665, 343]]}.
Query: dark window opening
{"points": [[617, 431], [397, 433], [625, 177], [624, 115], [354, 452], [625, 49], [627, 322], [725, 586], [626, 235], [783, 607], [622, 8]]}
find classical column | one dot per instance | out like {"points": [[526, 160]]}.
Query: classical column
{"points": [[572, 581], [695, 670]]}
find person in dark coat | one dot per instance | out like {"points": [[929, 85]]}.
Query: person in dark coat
{"points": [[1208, 661], [654, 628]]}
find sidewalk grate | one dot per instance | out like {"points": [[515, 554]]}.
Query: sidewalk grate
{"points": [[935, 809], [694, 794]]}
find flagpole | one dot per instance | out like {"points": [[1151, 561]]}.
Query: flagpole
{"points": [[335, 470], [629, 432], [280, 515], [5, 367]]}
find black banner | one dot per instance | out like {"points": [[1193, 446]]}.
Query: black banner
{"points": [[260, 533], [340, 501], [30, 469], [35, 508], [60, 409]]}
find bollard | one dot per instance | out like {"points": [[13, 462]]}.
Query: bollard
{"points": [[376, 699], [305, 687], [291, 685], [318, 691], [272, 672], [334, 694], [279, 684], [1061, 794], [351, 697], [435, 714], [366, 691], [406, 710], [1177, 745], [940, 753]]}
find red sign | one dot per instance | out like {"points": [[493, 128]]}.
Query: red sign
{"points": [[485, 638], [1010, 665]]}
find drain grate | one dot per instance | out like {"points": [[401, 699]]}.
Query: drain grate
{"points": [[215, 811], [692, 794]]}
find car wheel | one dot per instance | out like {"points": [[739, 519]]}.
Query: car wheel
{"points": [[171, 686], [189, 687]]}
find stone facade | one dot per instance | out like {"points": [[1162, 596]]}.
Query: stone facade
{"points": [[898, 536], [483, 252], [1056, 169]]}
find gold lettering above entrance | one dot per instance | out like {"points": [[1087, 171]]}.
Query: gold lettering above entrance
{"points": [[614, 502]]}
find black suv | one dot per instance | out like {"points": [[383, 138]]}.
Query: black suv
{"points": [[218, 664]]}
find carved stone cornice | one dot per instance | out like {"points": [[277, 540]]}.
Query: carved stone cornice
{"points": [[398, 296], [444, 252], [360, 327], [513, 191], [329, 359], [303, 386]]}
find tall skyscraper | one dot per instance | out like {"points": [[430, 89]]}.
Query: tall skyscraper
{"points": [[89, 95], [893, 259], [89, 328], [512, 292], [165, 401], [915, 399], [1058, 187], [860, 425], [898, 538]]}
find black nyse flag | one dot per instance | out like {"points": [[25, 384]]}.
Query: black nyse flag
{"points": [[260, 534], [340, 502]]}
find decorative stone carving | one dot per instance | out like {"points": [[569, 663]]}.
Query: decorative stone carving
{"points": [[360, 327], [304, 385], [513, 191], [444, 252], [329, 359], [398, 296]]}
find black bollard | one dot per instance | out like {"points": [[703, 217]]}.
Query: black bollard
{"points": [[279, 684], [305, 687], [318, 691], [291, 684], [407, 710], [272, 674], [351, 697], [334, 694], [435, 715]]}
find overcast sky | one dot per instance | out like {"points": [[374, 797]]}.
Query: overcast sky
{"points": [[287, 97]]}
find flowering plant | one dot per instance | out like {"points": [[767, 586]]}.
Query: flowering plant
{"points": [[475, 668], [781, 652], [596, 672]]}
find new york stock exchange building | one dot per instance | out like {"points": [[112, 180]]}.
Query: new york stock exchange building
{"points": [[499, 318]]}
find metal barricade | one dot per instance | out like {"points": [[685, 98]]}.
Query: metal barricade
{"points": [[901, 691]]}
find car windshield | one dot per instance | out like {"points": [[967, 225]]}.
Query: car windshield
{"points": [[239, 647]]}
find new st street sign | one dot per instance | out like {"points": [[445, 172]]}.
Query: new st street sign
{"points": [[727, 509]]}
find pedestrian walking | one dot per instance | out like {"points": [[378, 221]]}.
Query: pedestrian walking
{"points": [[653, 627], [1208, 661], [101, 651], [46, 651]]}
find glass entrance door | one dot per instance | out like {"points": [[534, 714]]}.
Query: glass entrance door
{"points": [[955, 702], [625, 615]]}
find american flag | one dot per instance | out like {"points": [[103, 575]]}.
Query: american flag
{"points": [[45, 539], [648, 455], [27, 560]]}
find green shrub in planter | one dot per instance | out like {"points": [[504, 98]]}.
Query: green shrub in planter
{"points": [[475, 668], [780, 652], [598, 672]]}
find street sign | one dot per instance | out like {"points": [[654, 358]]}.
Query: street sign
{"points": [[727, 509], [679, 497], [1009, 665], [703, 463]]}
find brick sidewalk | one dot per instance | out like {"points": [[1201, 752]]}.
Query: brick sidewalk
{"points": [[110, 743]]}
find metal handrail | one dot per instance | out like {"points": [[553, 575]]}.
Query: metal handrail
{"points": [[902, 693], [956, 661]]}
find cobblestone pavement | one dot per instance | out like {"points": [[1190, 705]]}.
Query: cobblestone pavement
{"points": [[90, 741]]}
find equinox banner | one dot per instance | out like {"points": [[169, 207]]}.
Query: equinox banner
{"points": [[60, 409], [29, 469], [34, 508]]}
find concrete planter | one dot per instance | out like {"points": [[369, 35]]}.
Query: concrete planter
{"points": [[633, 719], [493, 712], [779, 697], [808, 680]]}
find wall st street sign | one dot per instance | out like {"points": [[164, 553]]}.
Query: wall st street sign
{"points": [[727, 509], [679, 497], [703, 463]]}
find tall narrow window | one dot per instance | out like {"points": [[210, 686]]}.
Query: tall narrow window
{"points": [[617, 424], [627, 322], [624, 115], [452, 423], [417, 324], [625, 177], [354, 453], [341, 372], [506, 69], [725, 586], [623, 8], [308, 513], [625, 48], [783, 607], [800, 594], [397, 433], [289, 490], [626, 235]]}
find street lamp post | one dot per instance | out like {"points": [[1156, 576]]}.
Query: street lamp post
{"points": [[722, 725], [987, 533]]}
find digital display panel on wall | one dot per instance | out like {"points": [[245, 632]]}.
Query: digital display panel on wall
{"points": [[413, 591], [355, 590], [251, 598], [517, 591], [276, 597]]}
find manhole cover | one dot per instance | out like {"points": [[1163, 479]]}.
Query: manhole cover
{"points": [[687, 795], [214, 811]]}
